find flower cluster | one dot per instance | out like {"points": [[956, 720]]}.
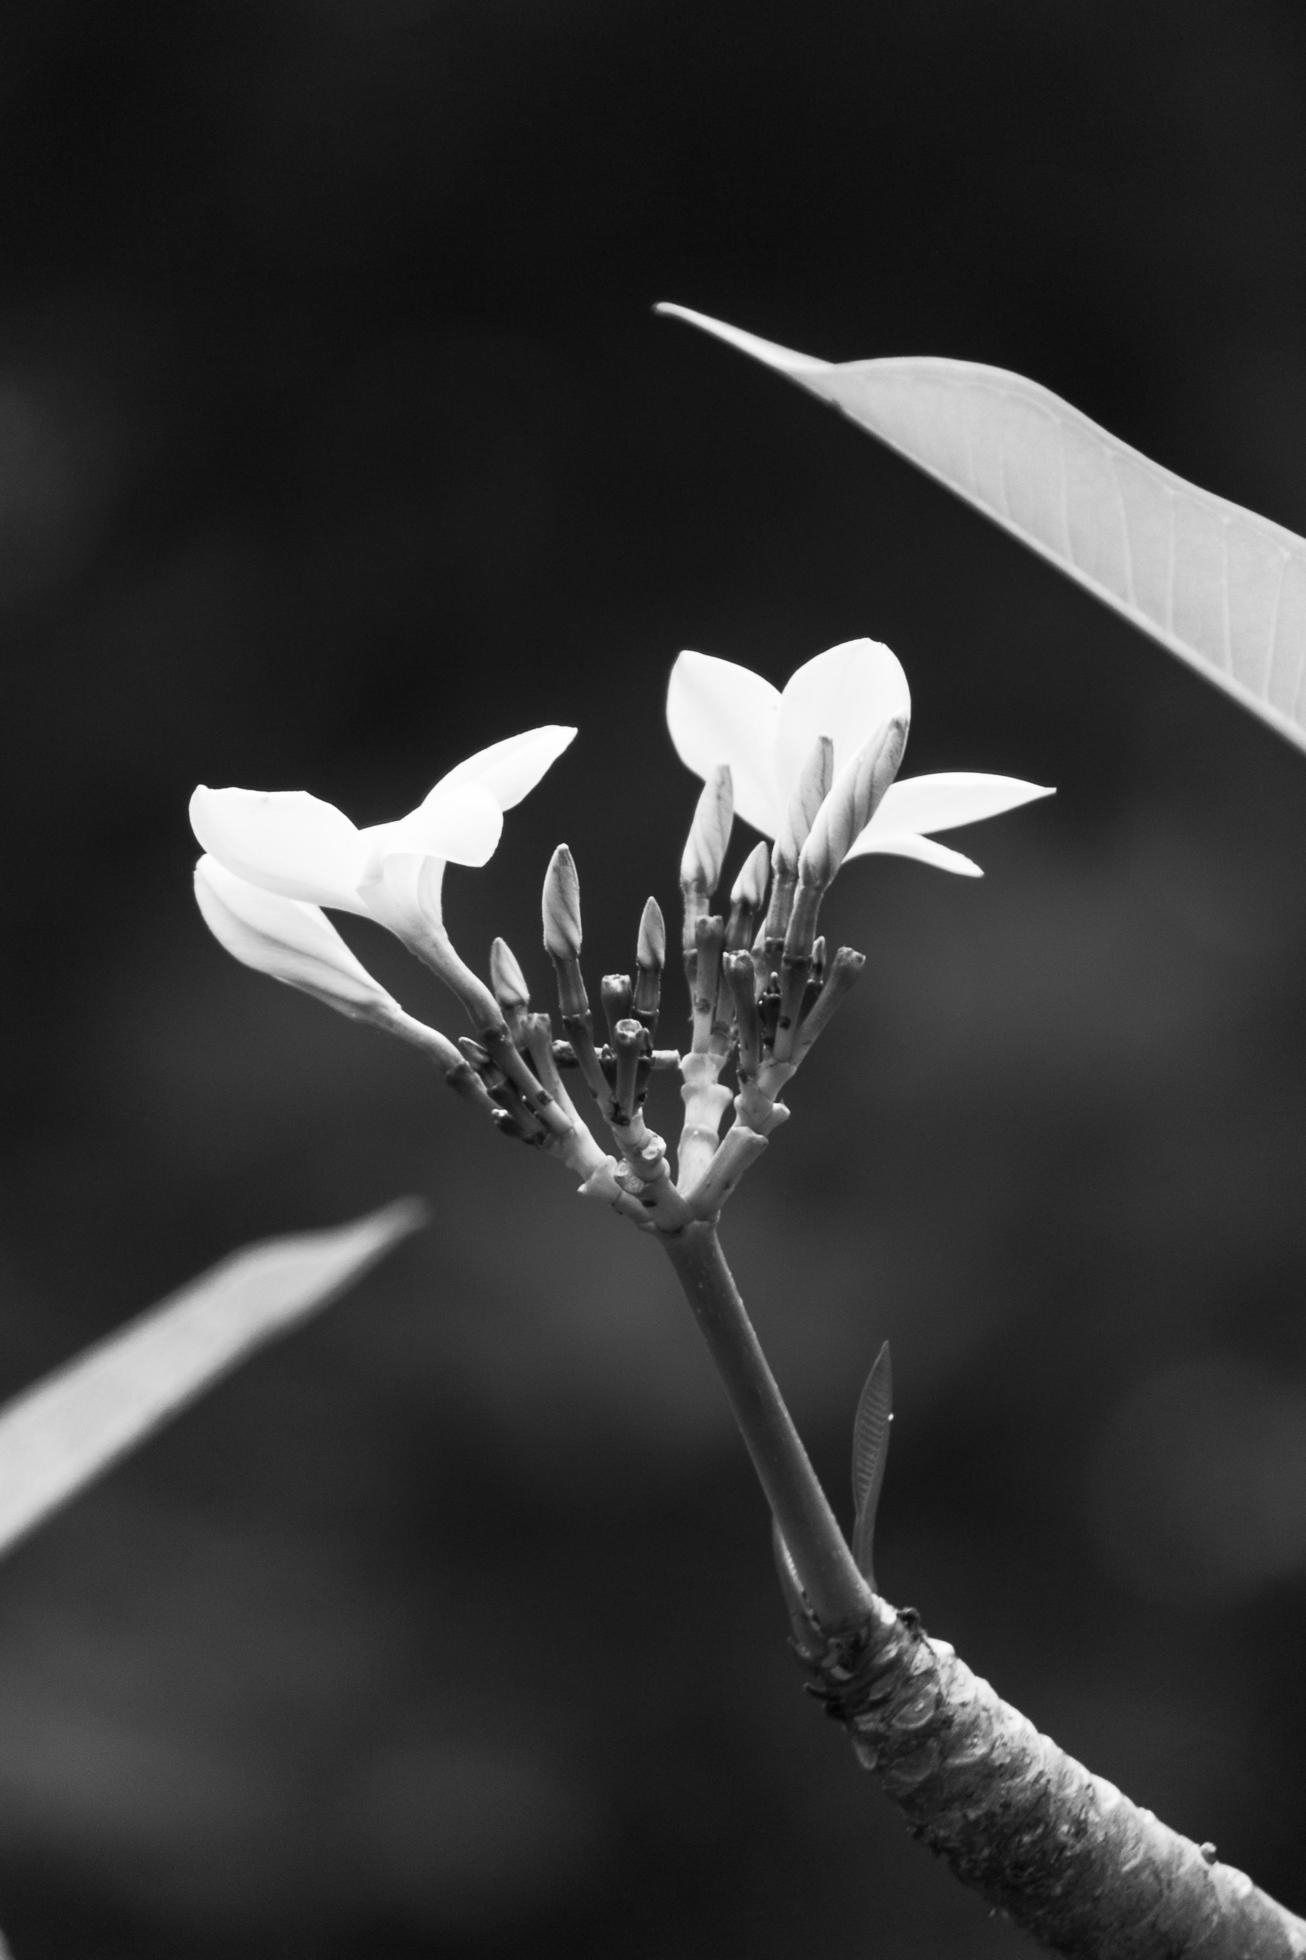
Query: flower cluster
{"points": [[813, 767]]}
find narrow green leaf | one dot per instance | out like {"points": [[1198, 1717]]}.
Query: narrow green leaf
{"points": [[70, 1428], [870, 1453], [1220, 586]]}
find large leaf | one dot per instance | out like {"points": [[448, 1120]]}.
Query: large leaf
{"points": [[58, 1436], [1218, 585]]}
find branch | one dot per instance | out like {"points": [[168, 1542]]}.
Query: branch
{"points": [[1058, 1849], [1061, 1851]]}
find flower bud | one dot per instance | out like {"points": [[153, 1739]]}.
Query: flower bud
{"points": [[507, 981], [650, 957], [749, 888], [290, 941], [747, 897], [561, 907], [810, 792], [651, 951], [851, 803], [709, 834]]}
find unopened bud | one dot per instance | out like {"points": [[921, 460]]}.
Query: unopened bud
{"points": [[810, 792], [747, 896], [749, 888], [852, 802], [561, 907], [709, 834], [650, 956], [507, 980], [651, 951]]}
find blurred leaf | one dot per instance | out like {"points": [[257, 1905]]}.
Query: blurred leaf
{"points": [[870, 1453], [73, 1426], [1218, 585]]}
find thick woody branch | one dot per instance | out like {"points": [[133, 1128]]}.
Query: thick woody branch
{"points": [[1061, 1851]]}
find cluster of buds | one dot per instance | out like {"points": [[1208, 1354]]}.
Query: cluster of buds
{"points": [[813, 768], [762, 986], [760, 991]]}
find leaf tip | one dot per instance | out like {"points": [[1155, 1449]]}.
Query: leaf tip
{"points": [[787, 360], [401, 1218]]}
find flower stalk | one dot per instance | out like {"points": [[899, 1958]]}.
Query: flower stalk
{"points": [[630, 1069], [839, 1596]]}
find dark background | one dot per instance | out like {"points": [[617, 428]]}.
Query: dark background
{"points": [[337, 439]]}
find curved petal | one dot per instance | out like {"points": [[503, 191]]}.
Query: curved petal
{"points": [[460, 823], [284, 938], [846, 693], [404, 894], [510, 769], [283, 841], [929, 803], [923, 849], [718, 712]]}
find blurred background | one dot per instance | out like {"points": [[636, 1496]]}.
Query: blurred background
{"points": [[337, 440]]}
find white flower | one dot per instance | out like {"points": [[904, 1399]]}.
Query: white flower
{"points": [[720, 713], [295, 846], [288, 940]]}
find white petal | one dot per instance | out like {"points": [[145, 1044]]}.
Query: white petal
{"points": [[284, 938], [405, 894], [845, 693], [510, 769], [460, 824], [283, 841], [923, 849], [718, 712], [942, 802]]}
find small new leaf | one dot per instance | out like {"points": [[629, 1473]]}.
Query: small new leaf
{"points": [[870, 1452]]}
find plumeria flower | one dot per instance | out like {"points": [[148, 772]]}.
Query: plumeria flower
{"points": [[295, 846], [720, 713], [294, 942], [288, 940]]}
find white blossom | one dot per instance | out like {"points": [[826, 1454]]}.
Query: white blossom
{"points": [[719, 713], [295, 846]]}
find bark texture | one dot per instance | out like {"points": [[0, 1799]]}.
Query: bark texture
{"points": [[1059, 1850]]}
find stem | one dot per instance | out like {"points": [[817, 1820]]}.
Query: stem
{"points": [[836, 1592], [706, 1101]]}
